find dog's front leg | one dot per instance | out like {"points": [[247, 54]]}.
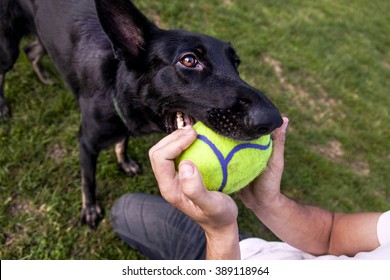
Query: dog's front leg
{"points": [[91, 212], [129, 166]]}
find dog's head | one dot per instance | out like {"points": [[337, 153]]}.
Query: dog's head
{"points": [[184, 77]]}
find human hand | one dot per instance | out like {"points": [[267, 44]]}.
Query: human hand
{"points": [[215, 212], [266, 188]]}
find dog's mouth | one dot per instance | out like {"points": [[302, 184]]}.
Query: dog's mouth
{"points": [[175, 120]]}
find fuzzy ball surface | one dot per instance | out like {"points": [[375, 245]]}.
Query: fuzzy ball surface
{"points": [[227, 165]]}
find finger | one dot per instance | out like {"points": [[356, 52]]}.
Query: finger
{"points": [[172, 145], [162, 156], [269, 180], [279, 140], [173, 137]]}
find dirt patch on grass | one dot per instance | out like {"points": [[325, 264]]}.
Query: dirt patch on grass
{"points": [[334, 151], [360, 168], [18, 206], [315, 102], [11, 238], [57, 153], [227, 2]]}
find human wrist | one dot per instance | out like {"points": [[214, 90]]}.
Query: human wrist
{"points": [[223, 242], [218, 232], [268, 204]]}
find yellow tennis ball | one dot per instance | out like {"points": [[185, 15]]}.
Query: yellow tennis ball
{"points": [[227, 165]]}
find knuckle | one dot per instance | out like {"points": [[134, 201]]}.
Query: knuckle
{"points": [[154, 153], [171, 198], [151, 152]]}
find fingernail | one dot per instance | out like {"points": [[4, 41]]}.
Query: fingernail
{"points": [[186, 170]]}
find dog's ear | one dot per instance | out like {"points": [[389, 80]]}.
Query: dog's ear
{"points": [[126, 27]]}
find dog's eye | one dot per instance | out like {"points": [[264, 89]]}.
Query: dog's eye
{"points": [[189, 61]]}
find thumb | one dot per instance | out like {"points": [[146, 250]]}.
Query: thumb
{"points": [[279, 140], [192, 183]]}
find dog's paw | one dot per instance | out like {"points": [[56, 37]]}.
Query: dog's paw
{"points": [[130, 167], [91, 216]]}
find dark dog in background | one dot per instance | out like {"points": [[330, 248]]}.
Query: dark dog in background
{"points": [[131, 78]]}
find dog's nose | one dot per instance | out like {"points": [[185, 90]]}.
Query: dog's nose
{"points": [[262, 121]]}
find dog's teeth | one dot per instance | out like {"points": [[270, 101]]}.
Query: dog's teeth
{"points": [[179, 120], [180, 125]]}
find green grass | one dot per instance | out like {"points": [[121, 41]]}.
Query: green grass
{"points": [[326, 65]]}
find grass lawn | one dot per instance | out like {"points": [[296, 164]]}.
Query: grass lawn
{"points": [[325, 64]]}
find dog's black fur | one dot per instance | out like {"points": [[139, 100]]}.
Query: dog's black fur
{"points": [[131, 77]]}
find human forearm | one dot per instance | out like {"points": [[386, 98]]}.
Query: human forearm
{"points": [[303, 226], [318, 231]]}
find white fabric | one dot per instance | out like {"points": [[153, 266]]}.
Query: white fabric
{"points": [[383, 228], [256, 248]]}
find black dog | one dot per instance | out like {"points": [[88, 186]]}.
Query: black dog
{"points": [[132, 78]]}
